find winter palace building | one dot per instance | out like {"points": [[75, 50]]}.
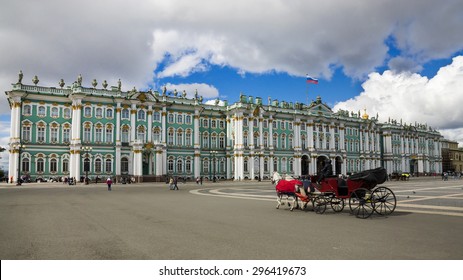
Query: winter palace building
{"points": [[76, 131]]}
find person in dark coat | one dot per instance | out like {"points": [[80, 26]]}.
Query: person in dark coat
{"points": [[326, 171]]}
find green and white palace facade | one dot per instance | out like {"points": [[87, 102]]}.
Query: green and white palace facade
{"points": [[75, 131]]}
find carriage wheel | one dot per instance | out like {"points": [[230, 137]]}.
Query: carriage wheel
{"points": [[319, 204], [360, 203], [384, 200], [337, 204]]}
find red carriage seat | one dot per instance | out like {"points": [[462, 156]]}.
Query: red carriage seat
{"points": [[287, 186]]}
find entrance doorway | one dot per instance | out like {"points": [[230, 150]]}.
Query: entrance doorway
{"points": [[338, 165], [305, 165], [321, 162]]}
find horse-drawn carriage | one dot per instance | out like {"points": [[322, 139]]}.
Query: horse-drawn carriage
{"points": [[360, 190]]}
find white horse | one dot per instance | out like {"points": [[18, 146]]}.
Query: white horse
{"points": [[276, 178]]}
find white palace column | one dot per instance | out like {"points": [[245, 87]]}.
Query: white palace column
{"points": [[133, 122], [228, 146], [137, 149], [163, 160], [15, 161], [252, 155], [270, 144], [150, 139], [261, 143], [74, 161], [239, 157], [118, 141], [197, 144], [297, 147]]}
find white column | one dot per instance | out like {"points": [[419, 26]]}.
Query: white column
{"points": [[74, 160], [342, 140], [310, 136], [150, 124], [238, 153], [197, 144], [133, 118]]}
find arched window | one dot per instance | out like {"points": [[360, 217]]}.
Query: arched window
{"points": [[170, 165], [179, 165], [188, 137], [98, 165], [170, 137], [125, 114], [25, 166], [109, 134], [141, 115], [40, 165], [205, 140], [67, 113], [87, 112], [65, 165], [156, 116], [99, 113], [108, 166], [156, 135], [27, 110], [245, 165], [54, 112], [179, 137], [41, 111], [109, 113], [125, 134], [124, 165], [206, 166], [188, 165], [141, 133], [53, 165]]}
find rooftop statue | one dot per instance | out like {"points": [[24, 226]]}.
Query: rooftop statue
{"points": [[79, 80], [119, 84], [20, 76]]}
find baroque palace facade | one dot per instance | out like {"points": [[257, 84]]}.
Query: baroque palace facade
{"points": [[75, 131]]}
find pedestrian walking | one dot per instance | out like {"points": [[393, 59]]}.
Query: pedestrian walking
{"points": [[171, 183], [109, 182], [175, 183]]}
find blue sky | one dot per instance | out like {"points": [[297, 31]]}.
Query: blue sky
{"points": [[400, 60]]}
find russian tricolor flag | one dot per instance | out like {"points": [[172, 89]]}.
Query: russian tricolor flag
{"points": [[311, 80]]}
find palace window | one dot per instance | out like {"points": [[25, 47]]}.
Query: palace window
{"points": [[109, 134], [26, 133], [124, 165], [98, 134], [141, 115], [67, 113], [108, 166], [125, 135], [41, 111], [141, 133], [170, 118], [98, 165], [205, 140], [170, 137], [41, 134], [53, 165], [65, 165], [54, 112], [205, 165], [221, 141], [179, 118], [156, 116], [188, 119], [99, 113], [40, 165], [188, 165], [188, 138], [66, 135], [54, 134], [179, 166], [87, 134], [25, 165], [27, 110], [156, 135], [109, 113], [125, 114], [170, 165], [87, 112], [179, 137]]}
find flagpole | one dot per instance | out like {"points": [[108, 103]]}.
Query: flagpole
{"points": [[307, 92]]}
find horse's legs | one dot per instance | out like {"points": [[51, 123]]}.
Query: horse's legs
{"points": [[279, 197]]}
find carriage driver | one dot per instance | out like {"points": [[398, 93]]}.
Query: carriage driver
{"points": [[326, 171]]}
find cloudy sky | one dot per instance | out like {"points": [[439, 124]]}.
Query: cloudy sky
{"points": [[400, 59]]}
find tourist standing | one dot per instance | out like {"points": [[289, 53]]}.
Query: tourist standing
{"points": [[109, 182]]}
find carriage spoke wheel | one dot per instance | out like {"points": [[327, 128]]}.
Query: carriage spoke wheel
{"points": [[319, 204], [384, 200], [337, 204], [361, 204]]}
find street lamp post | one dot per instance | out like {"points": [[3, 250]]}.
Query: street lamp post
{"points": [[19, 147], [87, 149], [214, 153]]}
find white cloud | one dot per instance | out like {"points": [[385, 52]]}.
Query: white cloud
{"points": [[204, 90], [411, 97]]}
